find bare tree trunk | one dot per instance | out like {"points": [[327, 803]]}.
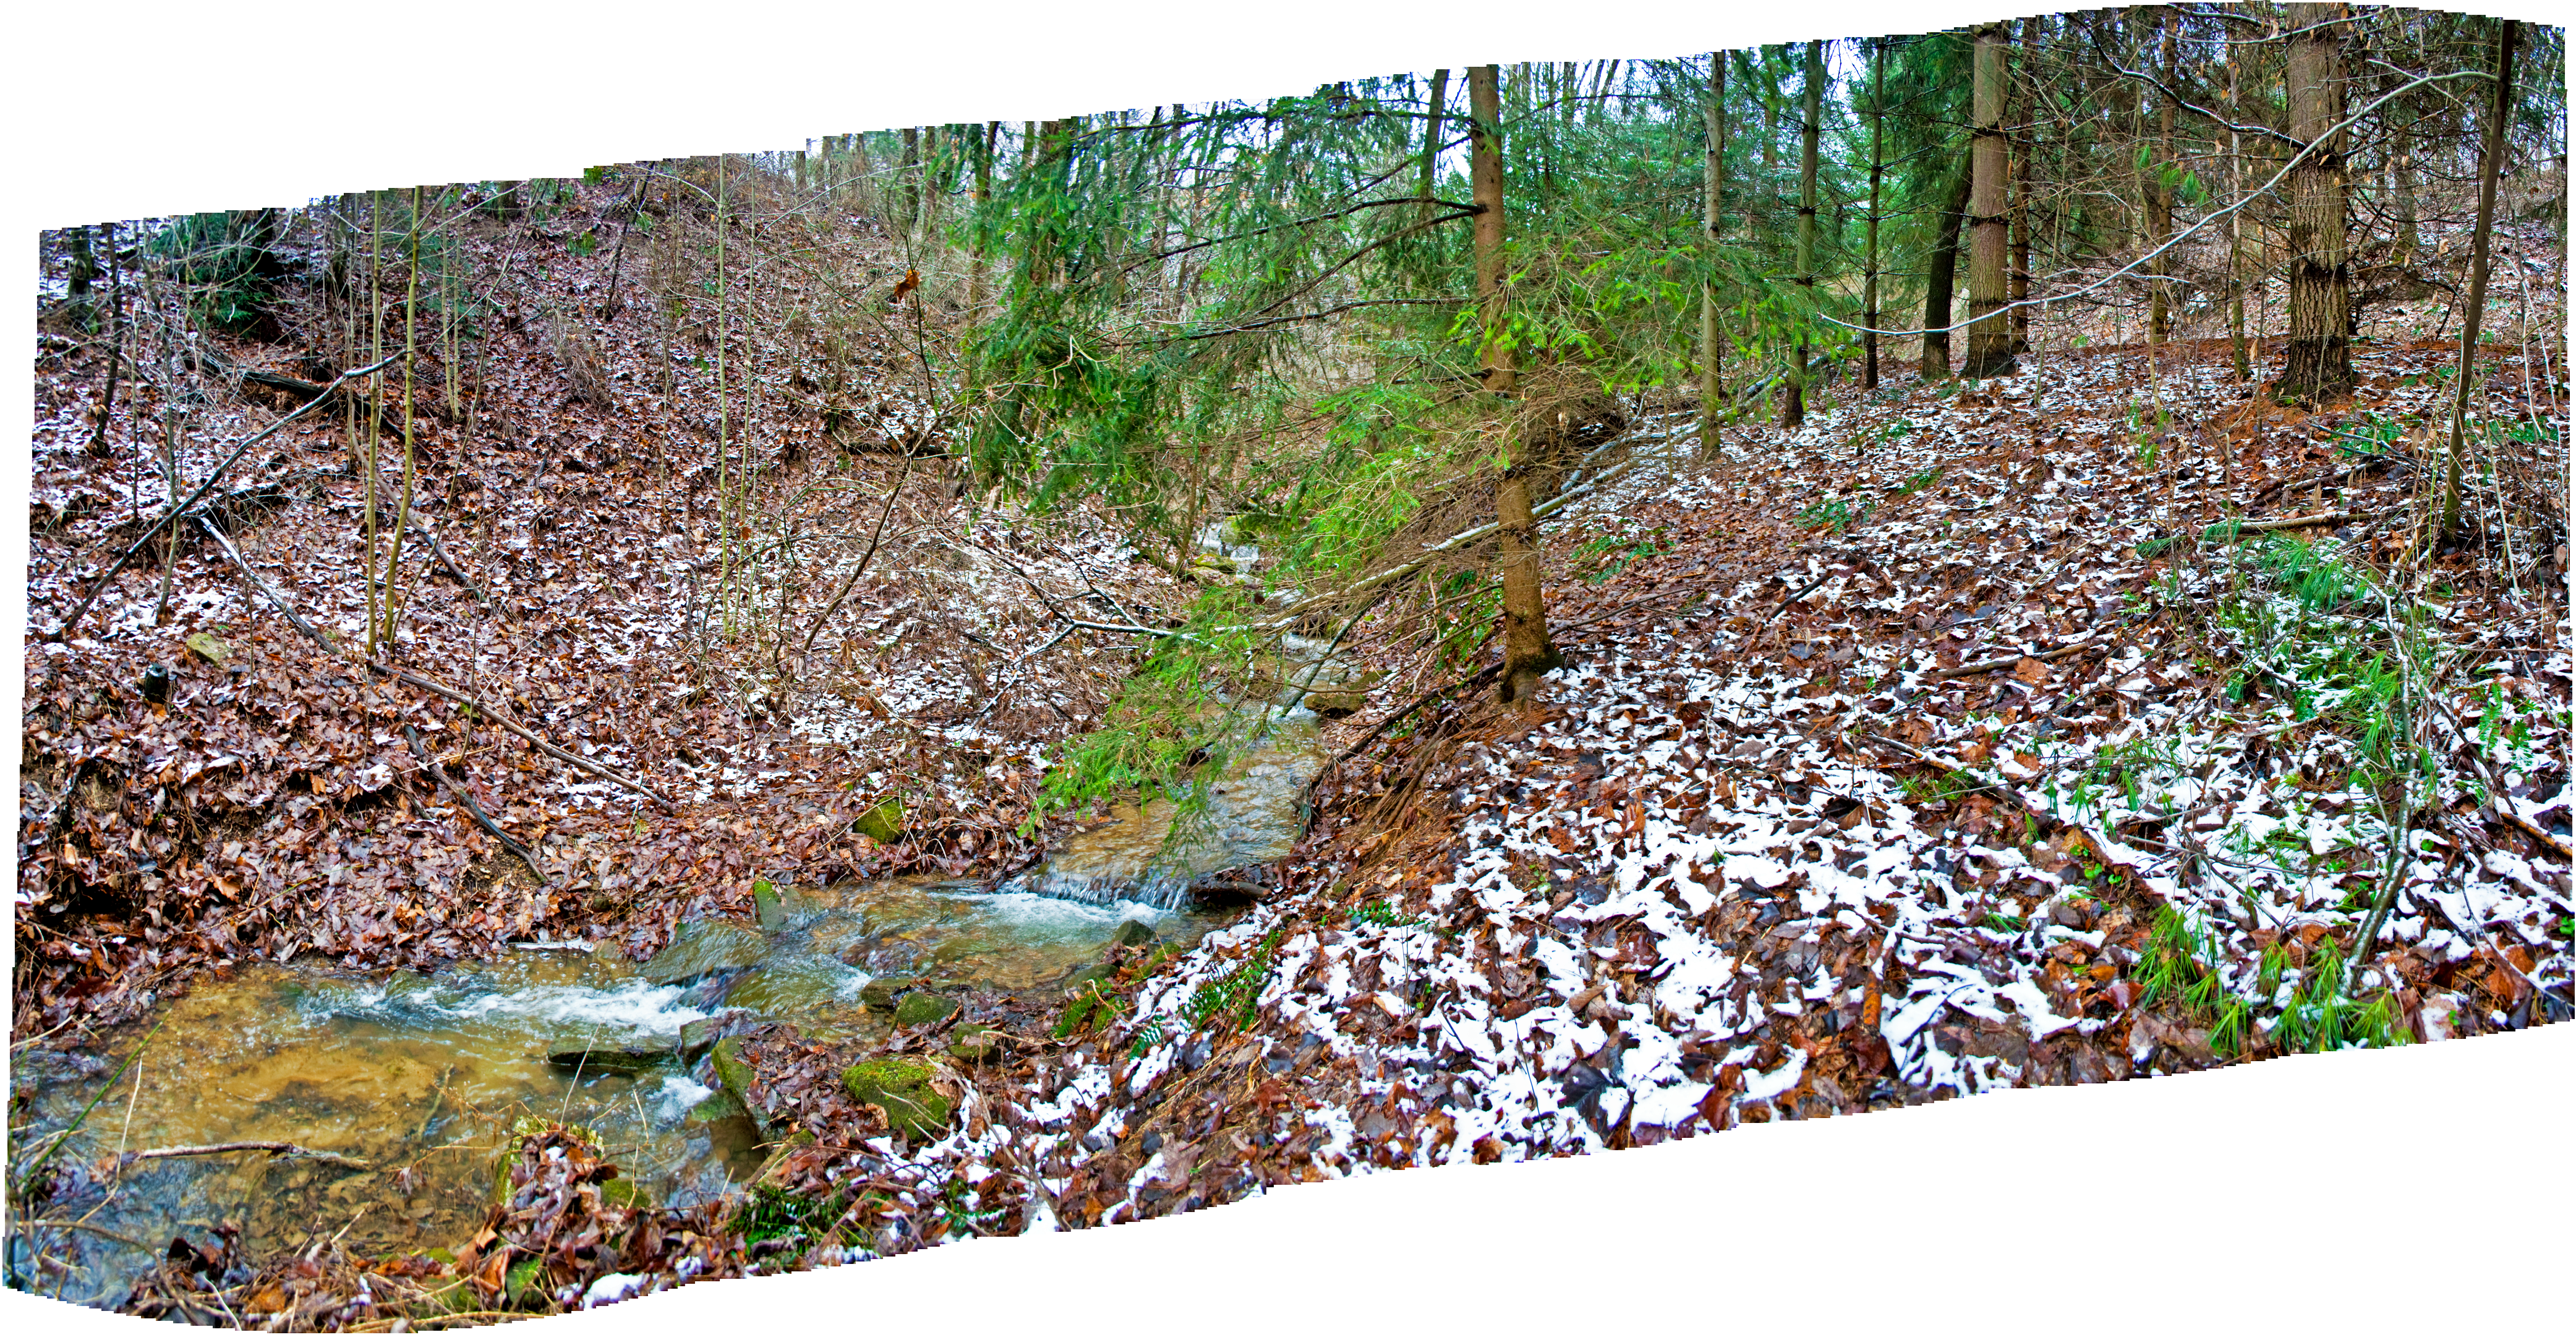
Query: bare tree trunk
{"points": [[2024, 145], [983, 196], [2159, 204], [2236, 223], [1528, 654], [1712, 379], [1793, 409], [1938, 279], [411, 348], [1877, 170], [115, 347], [2319, 364], [2490, 161], [1430, 144], [911, 181], [1989, 334]]}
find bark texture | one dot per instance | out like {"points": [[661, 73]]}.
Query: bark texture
{"points": [[2319, 357], [1528, 653]]}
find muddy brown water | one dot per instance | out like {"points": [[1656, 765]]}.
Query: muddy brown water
{"points": [[420, 1075]]}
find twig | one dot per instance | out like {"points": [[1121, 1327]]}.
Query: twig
{"points": [[439, 773], [231, 1147]]}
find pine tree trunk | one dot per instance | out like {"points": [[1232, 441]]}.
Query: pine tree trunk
{"points": [[1793, 409], [2025, 146], [1989, 333], [2236, 224], [1938, 279], [1528, 654], [2159, 202], [1877, 170], [2319, 360], [2489, 161], [1431, 145], [1712, 380]]}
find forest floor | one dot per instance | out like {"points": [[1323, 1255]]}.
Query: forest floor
{"points": [[1936, 747]]}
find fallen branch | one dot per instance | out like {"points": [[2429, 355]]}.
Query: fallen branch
{"points": [[428, 684], [481, 818], [1990, 665], [182, 507], [2229, 530], [230, 1147]]}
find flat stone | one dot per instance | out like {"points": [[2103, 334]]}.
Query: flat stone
{"points": [[924, 1009], [733, 1073], [1335, 704], [601, 1055], [902, 1088], [696, 1038], [208, 648], [881, 994], [973, 1043], [703, 946]]}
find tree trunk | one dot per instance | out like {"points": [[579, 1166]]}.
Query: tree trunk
{"points": [[2319, 364], [1431, 145], [1793, 409], [910, 208], [2489, 162], [1877, 170], [1528, 654], [98, 446], [2024, 145], [1989, 333], [2159, 205], [1712, 381], [2236, 224], [983, 197], [1937, 281]]}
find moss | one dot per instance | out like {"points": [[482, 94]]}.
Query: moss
{"points": [[902, 1088], [882, 823], [924, 1009], [733, 1073]]}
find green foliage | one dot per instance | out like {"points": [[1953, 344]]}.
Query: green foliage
{"points": [[1917, 482], [1838, 515], [227, 261], [770, 1212], [1230, 997], [1171, 715], [1612, 553]]}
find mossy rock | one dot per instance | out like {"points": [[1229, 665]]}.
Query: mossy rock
{"points": [[1133, 932], [208, 648], [591, 1057], [703, 946], [696, 1038], [733, 1072], [716, 1107], [924, 1009], [882, 994], [974, 1043], [902, 1088], [1336, 703], [765, 907], [882, 823], [625, 1192]]}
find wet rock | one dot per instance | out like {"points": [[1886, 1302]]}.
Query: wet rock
{"points": [[924, 1009], [1336, 704], [592, 1056], [974, 1043], [883, 823], [732, 1070], [1133, 932], [625, 1192], [882, 994], [765, 907], [903, 1089], [717, 1107], [698, 1036], [704, 946]]}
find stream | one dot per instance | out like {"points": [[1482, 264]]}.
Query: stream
{"points": [[420, 1075]]}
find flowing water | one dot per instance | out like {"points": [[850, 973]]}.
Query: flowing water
{"points": [[419, 1075]]}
